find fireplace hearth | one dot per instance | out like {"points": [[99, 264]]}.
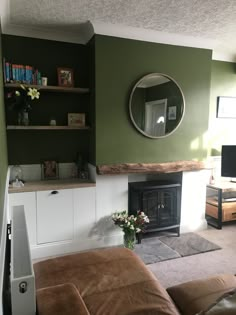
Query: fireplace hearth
{"points": [[160, 200]]}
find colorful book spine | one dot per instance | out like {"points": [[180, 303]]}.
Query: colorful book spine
{"points": [[18, 73]]}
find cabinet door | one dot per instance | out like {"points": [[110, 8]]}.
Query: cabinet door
{"points": [[54, 216], [85, 217], [28, 200]]}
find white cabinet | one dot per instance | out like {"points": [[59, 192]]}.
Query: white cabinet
{"points": [[58, 221], [85, 214], [55, 216], [28, 199]]}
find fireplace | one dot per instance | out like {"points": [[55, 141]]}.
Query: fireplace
{"points": [[160, 200]]}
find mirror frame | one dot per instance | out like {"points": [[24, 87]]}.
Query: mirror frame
{"points": [[130, 105]]}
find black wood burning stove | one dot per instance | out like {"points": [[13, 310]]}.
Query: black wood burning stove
{"points": [[161, 202]]}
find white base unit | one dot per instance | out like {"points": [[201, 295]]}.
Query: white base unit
{"points": [[60, 221], [55, 216], [85, 213]]}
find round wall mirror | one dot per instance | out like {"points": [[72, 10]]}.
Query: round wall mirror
{"points": [[156, 105]]}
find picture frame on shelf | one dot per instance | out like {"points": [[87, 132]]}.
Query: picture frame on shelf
{"points": [[76, 119], [226, 107], [49, 169], [65, 77]]}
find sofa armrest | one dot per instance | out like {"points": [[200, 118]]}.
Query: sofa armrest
{"points": [[63, 299], [197, 295]]}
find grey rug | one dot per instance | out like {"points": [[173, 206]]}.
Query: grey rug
{"points": [[162, 248]]}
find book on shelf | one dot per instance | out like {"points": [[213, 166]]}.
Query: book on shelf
{"points": [[18, 73]]}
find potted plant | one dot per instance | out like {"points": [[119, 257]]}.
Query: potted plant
{"points": [[130, 225]]}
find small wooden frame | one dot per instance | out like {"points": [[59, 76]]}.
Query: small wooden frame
{"points": [[49, 169], [65, 77], [76, 119]]}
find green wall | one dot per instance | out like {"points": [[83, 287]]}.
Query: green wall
{"points": [[3, 146], [119, 64], [223, 83]]}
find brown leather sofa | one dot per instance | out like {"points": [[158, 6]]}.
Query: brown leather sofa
{"points": [[116, 282]]}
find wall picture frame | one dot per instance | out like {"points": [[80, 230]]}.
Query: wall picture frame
{"points": [[226, 107], [49, 169], [76, 119], [172, 113], [65, 77]]}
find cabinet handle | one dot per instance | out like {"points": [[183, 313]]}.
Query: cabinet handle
{"points": [[54, 192], [233, 213]]}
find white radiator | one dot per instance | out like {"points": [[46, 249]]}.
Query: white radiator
{"points": [[23, 299]]}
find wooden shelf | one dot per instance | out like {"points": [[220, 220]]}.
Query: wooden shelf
{"points": [[11, 127], [49, 88], [150, 168]]}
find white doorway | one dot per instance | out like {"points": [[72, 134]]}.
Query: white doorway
{"points": [[155, 117]]}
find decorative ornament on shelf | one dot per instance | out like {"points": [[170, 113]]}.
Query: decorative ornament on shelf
{"points": [[130, 225], [17, 176], [20, 100]]}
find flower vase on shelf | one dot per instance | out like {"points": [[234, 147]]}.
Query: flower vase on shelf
{"points": [[129, 239], [23, 118]]}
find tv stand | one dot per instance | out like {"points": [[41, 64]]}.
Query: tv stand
{"points": [[232, 199], [220, 203]]}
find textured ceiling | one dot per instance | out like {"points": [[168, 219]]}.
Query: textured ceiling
{"points": [[206, 19]]}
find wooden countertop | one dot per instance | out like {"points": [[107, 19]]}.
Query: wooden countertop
{"points": [[51, 185]]}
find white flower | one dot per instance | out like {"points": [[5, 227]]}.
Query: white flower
{"points": [[17, 93], [128, 223], [138, 230], [131, 227], [33, 93]]}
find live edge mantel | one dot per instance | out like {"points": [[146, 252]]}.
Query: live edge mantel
{"points": [[151, 168]]}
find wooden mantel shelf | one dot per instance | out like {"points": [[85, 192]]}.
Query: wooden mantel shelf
{"points": [[151, 168]]}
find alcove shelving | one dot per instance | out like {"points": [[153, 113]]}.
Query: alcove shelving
{"points": [[49, 88], [16, 127]]}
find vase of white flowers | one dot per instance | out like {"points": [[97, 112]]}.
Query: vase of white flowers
{"points": [[21, 102], [131, 225]]}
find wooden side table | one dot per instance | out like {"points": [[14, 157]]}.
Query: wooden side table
{"points": [[220, 203]]}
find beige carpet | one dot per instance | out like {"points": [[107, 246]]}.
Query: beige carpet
{"points": [[180, 270]]}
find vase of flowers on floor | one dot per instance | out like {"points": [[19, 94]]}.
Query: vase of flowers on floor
{"points": [[20, 101], [130, 225]]}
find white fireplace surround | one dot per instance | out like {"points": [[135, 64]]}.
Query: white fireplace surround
{"points": [[112, 195]]}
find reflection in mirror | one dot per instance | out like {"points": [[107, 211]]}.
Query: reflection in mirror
{"points": [[156, 105]]}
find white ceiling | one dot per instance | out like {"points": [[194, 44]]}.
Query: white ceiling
{"points": [[196, 23]]}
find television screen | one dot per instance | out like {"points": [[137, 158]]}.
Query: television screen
{"points": [[228, 161]]}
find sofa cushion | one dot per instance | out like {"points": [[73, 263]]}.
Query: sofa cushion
{"points": [[195, 296], [225, 305], [61, 299]]}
